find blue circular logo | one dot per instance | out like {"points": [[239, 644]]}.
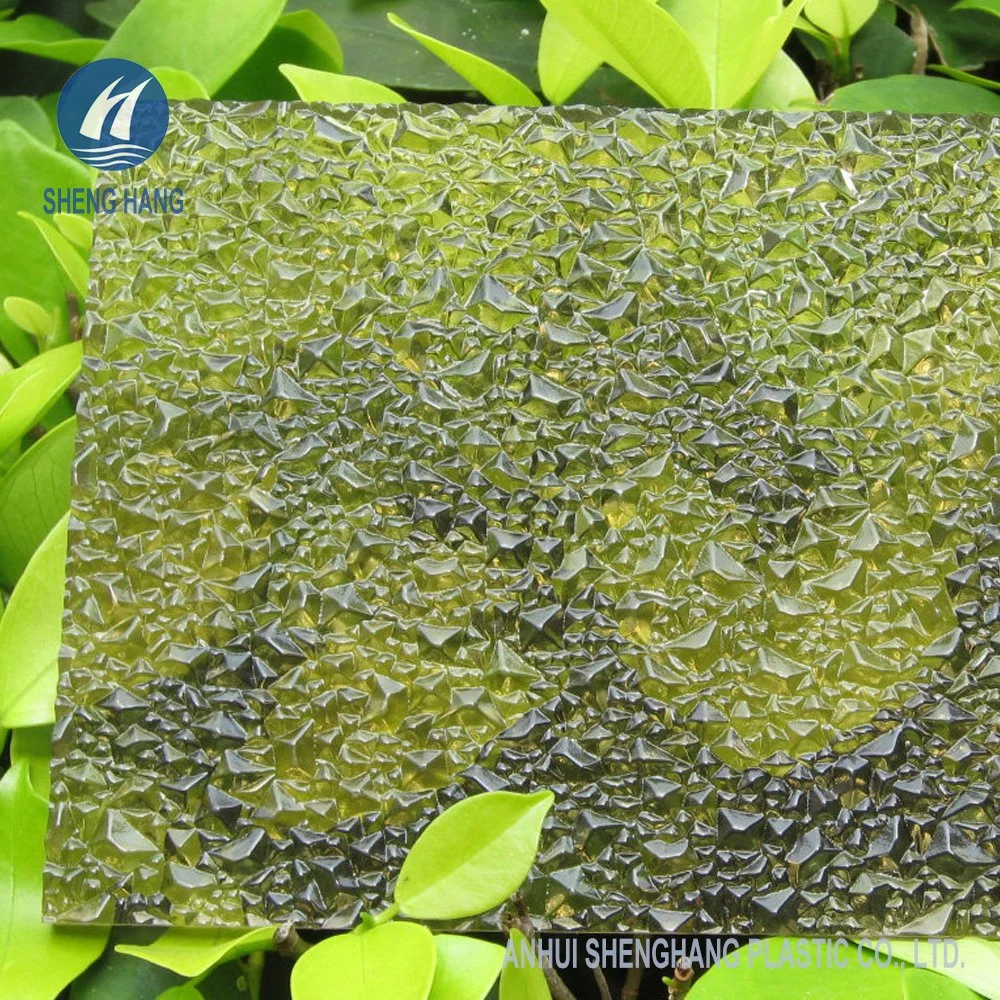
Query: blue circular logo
{"points": [[113, 114]]}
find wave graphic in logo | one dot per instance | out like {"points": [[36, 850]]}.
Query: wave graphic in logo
{"points": [[113, 114]]}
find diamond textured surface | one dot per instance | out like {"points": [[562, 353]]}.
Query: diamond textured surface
{"points": [[643, 456]]}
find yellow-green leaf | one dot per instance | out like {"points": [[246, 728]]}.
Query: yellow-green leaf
{"points": [[521, 979], [179, 84], [466, 967], [74, 265], [191, 952], [643, 42], [30, 632], [395, 960], [336, 88], [840, 18], [473, 856], [38, 35], [36, 960], [564, 62], [495, 84]]}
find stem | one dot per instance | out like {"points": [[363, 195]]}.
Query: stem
{"points": [[287, 942], [602, 983], [921, 38], [522, 921], [255, 973], [386, 915], [633, 982]]}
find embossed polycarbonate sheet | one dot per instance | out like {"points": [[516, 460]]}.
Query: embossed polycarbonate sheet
{"points": [[647, 457]]}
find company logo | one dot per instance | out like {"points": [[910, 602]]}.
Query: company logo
{"points": [[113, 114]]}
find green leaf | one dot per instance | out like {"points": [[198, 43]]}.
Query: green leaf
{"points": [[117, 976], [881, 49], [210, 39], [960, 74], [494, 83], [466, 967], [110, 13], [989, 6], [78, 229], [335, 88], [179, 84], [564, 62], [522, 980], [184, 992], [74, 266], [301, 38], [37, 35], [503, 31], [632, 36], [840, 18], [736, 40], [34, 494], [31, 116], [393, 960], [776, 969], [784, 87], [33, 744], [32, 318], [30, 631], [917, 95], [36, 959], [473, 856], [965, 39], [978, 965], [27, 268], [191, 952], [29, 392]]}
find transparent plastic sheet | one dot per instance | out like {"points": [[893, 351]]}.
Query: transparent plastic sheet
{"points": [[649, 457]]}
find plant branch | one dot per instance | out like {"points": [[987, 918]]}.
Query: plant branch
{"points": [[633, 982], [602, 983], [920, 33], [287, 942], [521, 920]]}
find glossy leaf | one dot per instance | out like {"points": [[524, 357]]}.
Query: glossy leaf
{"points": [[634, 36], [473, 856], [187, 991], [394, 960], [301, 38], [33, 744], [466, 967], [29, 392], [840, 18], [765, 974], [78, 229], [110, 13], [494, 83], [70, 260], [191, 952], [335, 88], [30, 115], [564, 62], [30, 632], [988, 6], [917, 95], [27, 268], [736, 40], [881, 49], [978, 965], [34, 494], [503, 31], [32, 318], [179, 85], [37, 35], [521, 980], [784, 87], [36, 960], [210, 39]]}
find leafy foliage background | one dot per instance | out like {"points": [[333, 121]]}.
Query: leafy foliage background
{"points": [[918, 56]]}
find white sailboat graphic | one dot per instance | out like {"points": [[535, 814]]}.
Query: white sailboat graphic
{"points": [[110, 154]]}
